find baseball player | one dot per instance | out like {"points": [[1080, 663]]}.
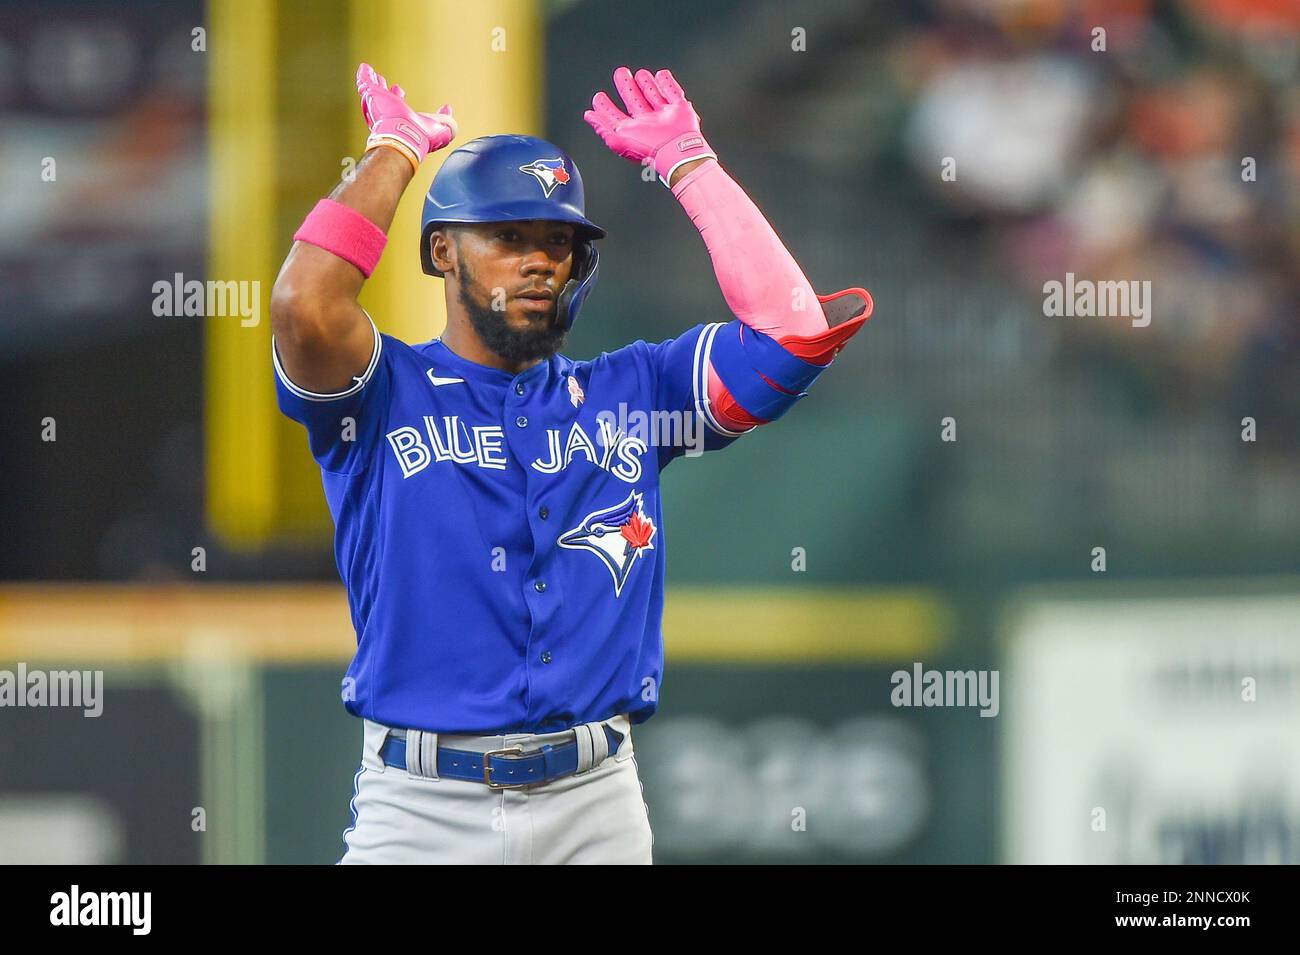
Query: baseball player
{"points": [[498, 519]]}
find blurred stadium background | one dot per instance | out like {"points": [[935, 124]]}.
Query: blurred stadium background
{"points": [[191, 138]]}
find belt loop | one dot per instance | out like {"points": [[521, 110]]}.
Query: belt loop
{"points": [[593, 746], [422, 754], [586, 748], [599, 743]]}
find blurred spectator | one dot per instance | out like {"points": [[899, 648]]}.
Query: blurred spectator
{"points": [[1170, 156]]}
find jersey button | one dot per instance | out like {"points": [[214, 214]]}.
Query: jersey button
{"points": [[519, 388], [546, 656], [544, 513], [540, 586], [521, 421]]}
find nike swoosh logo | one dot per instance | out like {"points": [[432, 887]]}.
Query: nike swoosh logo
{"points": [[442, 381]]}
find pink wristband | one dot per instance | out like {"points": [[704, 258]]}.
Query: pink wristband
{"points": [[347, 233]]}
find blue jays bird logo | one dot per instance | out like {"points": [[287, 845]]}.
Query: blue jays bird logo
{"points": [[618, 535], [549, 172]]}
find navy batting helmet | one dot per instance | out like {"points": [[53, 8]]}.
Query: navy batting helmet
{"points": [[509, 178]]}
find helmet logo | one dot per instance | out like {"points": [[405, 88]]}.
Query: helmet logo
{"points": [[549, 173]]}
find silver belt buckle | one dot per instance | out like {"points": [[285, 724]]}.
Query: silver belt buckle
{"points": [[487, 768]]}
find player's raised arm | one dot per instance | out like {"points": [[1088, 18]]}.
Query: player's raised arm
{"points": [[322, 337], [789, 334]]}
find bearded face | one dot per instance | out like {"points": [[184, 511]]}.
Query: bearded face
{"points": [[508, 277], [525, 335]]}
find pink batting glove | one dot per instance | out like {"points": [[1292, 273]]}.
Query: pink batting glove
{"points": [[394, 123], [662, 127]]}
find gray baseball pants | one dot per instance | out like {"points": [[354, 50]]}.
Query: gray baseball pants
{"points": [[401, 817]]}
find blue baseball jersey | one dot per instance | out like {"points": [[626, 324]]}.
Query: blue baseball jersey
{"points": [[501, 536]]}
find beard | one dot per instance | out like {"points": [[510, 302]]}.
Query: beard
{"points": [[516, 345]]}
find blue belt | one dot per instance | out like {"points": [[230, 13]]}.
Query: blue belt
{"points": [[497, 768]]}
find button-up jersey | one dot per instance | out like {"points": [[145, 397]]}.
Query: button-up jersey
{"points": [[501, 536]]}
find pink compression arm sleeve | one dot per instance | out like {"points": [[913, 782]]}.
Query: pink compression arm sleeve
{"points": [[759, 278], [347, 233]]}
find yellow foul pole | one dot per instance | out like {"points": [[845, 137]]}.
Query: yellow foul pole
{"points": [[485, 59], [240, 407], [282, 120]]}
